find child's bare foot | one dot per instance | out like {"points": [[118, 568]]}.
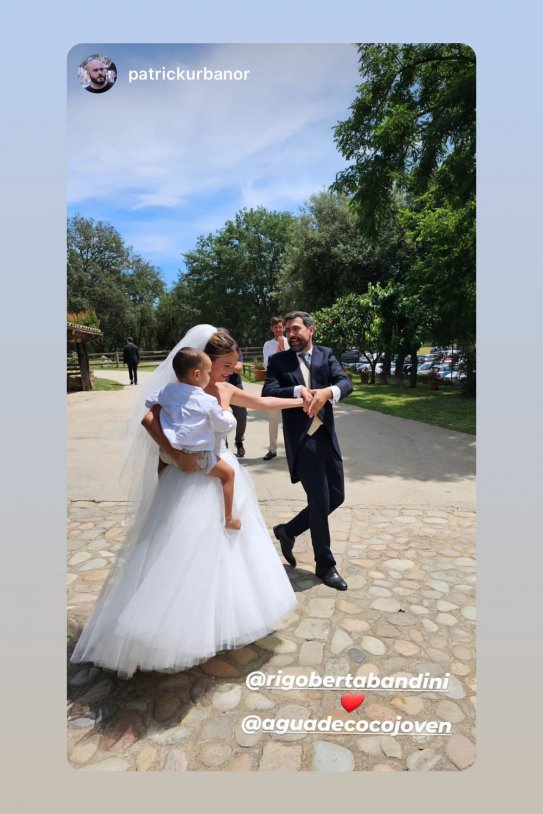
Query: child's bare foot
{"points": [[233, 523]]}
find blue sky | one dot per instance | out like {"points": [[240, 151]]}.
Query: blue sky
{"points": [[166, 161]]}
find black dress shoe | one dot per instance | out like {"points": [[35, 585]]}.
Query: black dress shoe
{"points": [[240, 450], [332, 579], [269, 455], [287, 544]]}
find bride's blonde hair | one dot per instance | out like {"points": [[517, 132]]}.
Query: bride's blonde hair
{"points": [[220, 344]]}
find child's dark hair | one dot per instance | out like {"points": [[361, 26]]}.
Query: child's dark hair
{"points": [[185, 360]]}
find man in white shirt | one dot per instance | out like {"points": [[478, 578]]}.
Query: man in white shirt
{"points": [[275, 345]]}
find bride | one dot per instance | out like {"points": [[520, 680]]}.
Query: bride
{"points": [[184, 587]]}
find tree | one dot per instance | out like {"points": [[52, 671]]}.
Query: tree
{"points": [[384, 323], [328, 257], [411, 143], [175, 314], [231, 277], [412, 128], [144, 287], [443, 274], [404, 320], [352, 321], [105, 275], [97, 257]]}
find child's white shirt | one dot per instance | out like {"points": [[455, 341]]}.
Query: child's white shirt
{"points": [[190, 417]]}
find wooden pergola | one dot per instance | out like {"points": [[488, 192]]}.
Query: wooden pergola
{"points": [[78, 372]]}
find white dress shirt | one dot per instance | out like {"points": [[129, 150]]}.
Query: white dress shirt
{"points": [[271, 347], [189, 417], [336, 392]]}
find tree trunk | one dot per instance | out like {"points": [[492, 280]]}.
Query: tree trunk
{"points": [[414, 365], [386, 363], [467, 366]]}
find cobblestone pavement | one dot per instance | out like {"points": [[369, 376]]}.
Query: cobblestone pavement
{"points": [[410, 609]]}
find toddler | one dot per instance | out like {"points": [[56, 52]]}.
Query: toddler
{"points": [[189, 418]]}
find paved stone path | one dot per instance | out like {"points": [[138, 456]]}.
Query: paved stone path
{"points": [[410, 609]]}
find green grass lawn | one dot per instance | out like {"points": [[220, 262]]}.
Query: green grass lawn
{"points": [[443, 408], [106, 384]]}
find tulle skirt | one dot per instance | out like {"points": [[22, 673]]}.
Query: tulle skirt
{"points": [[186, 587]]}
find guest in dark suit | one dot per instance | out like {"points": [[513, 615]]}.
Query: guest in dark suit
{"points": [[312, 449], [240, 413], [131, 358]]}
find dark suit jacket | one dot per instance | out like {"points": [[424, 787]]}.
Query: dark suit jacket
{"points": [[282, 376], [131, 353]]}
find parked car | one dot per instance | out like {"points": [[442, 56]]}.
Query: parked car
{"points": [[452, 375], [350, 356], [426, 369], [366, 366]]}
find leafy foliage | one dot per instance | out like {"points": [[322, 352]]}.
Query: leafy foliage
{"points": [[232, 275], [412, 128], [104, 275], [353, 321], [328, 257], [410, 139]]}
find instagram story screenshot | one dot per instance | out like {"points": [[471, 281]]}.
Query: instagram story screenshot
{"points": [[271, 382]]}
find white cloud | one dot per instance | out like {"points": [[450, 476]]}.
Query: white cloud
{"points": [[167, 161], [163, 142]]}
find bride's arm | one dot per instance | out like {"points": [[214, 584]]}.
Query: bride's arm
{"points": [[151, 422], [242, 398]]}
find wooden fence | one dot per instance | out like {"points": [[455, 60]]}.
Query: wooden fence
{"points": [[154, 357], [115, 358]]}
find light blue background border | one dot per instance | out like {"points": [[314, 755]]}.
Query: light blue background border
{"points": [[506, 37]]}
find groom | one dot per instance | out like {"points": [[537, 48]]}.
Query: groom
{"points": [[313, 454]]}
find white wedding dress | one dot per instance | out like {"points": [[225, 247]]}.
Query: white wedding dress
{"points": [[188, 587]]}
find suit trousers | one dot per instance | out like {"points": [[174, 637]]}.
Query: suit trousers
{"points": [[240, 414], [273, 425], [133, 371], [320, 470]]}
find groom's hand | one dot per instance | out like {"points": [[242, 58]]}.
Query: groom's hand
{"points": [[187, 461], [318, 400], [307, 396]]}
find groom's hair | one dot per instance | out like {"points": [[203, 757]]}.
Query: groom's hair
{"points": [[306, 318], [185, 360]]}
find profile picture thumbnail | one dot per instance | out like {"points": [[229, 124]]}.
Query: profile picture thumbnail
{"points": [[97, 73]]}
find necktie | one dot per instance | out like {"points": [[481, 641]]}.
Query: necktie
{"points": [[306, 359]]}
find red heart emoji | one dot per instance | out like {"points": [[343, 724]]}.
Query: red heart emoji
{"points": [[350, 701]]}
